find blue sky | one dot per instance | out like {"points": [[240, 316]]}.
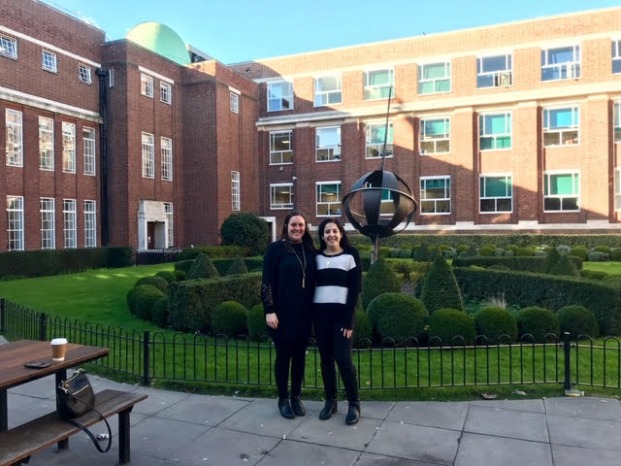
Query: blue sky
{"points": [[241, 30]]}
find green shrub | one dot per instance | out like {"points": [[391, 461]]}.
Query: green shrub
{"points": [[564, 266], [593, 274], [202, 268], [525, 251], [159, 313], [497, 324], [421, 253], [602, 248], [552, 257], [255, 323], [246, 230], [380, 278], [181, 275], [580, 251], [439, 288], [167, 275], [363, 330], [538, 322], [397, 316], [214, 252], [237, 266], [597, 256], [158, 282], [131, 300], [615, 254], [578, 320], [487, 251], [448, 326], [229, 318], [145, 296]]}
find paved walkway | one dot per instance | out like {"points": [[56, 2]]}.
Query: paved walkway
{"points": [[172, 428]]}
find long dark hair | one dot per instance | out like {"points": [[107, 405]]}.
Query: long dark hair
{"points": [[307, 239], [344, 243]]}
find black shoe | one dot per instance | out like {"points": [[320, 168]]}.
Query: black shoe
{"points": [[285, 409], [353, 413], [329, 408], [297, 406]]}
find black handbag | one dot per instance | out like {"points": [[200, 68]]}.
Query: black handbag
{"points": [[75, 398]]}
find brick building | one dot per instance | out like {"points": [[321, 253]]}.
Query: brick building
{"points": [[150, 143]]}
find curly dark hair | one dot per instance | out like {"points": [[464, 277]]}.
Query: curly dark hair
{"points": [[344, 243]]}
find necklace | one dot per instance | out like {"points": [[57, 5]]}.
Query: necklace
{"points": [[302, 264]]}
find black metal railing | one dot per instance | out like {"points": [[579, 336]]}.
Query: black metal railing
{"points": [[179, 357]]}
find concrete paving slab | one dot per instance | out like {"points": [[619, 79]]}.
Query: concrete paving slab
{"points": [[334, 432], [587, 433], [289, 453], [587, 407], [484, 450], [507, 423], [533, 406], [433, 414], [576, 456]]}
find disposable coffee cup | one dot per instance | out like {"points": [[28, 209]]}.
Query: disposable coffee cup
{"points": [[59, 348]]}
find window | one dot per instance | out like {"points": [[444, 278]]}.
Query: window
{"points": [[281, 147], [618, 188], [235, 192], [111, 77], [234, 102], [68, 147], [495, 131], [146, 85], [48, 223], [376, 136], [328, 90], [70, 228], [48, 61], [167, 159], [328, 200], [434, 78], [279, 96], [560, 63], [378, 84], [617, 121], [148, 156], [90, 224], [435, 195], [435, 135], [8, 47], [15, 229], [616, 56], [88, 136], [494, 71], [561, 192], [165, 92], [46, 143], [496, 193], [14, 138], [84, 74], [328, 144], [561, 126], [281, 196], [170, 230]]}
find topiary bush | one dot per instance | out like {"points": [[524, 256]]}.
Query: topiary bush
{"points": [[578, 320], [167, 275], [237, 266], [564, 266], [144, 297], [202, 267], [255, 323], [538, 322], [439, 288], [497, 325], [397, 316], [159, 312], [552, 257], [579, 251], [229, 318], [445, 327], [158, 282], [380, 278], [363, 330], [246, 230]]}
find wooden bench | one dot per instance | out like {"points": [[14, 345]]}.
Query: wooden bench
{"points": [[19, 443]]}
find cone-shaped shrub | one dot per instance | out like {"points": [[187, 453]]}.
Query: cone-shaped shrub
{"points": [[202, 268], [439, 288], [564, 266], [380, 278], [237, 266]]}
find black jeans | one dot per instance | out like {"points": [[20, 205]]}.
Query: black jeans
{"points": [[290, 353], [335, 348]]}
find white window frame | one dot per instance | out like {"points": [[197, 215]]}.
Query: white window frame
{"points": [[15, 225], [431, 142], [8, 46], [327, 204], [166, 153], [378, 91], [616, 56], [616, 118], [47, 209], [165, 92], [497, 202], [431, 204], [487, 134], [90, 151], [46, 143], [49, 61], [325, 150], [70, 226], [84, 73], [235, 192], [170, 225], [69, 152], [14, 138], [555, 134], [148, 155], [281, 196], [617, 187], [495, 71], [552, 70], [146, 85], [90, 223], [328, 90], [281, 147], [374, 140], [437, 81], [280, 96], [234, 102], [561, 197]]}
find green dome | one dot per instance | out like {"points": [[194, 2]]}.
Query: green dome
{"points": [[160, 39]]}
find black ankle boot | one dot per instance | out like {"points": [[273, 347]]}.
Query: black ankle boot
{"points": [[297, 406], [353, 413], [285, 408], [329, 408]]}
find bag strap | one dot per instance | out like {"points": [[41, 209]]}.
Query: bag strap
{"points": [[88, 432]]}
